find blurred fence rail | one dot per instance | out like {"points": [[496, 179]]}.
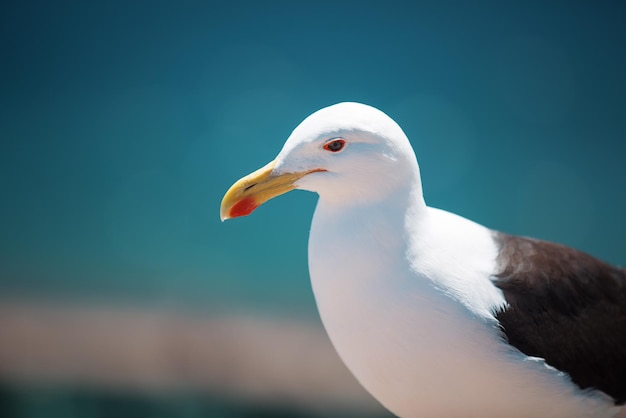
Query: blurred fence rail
{"points": [[247, 358]]}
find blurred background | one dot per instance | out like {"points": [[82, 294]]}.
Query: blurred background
{"points": [[123, 123]]}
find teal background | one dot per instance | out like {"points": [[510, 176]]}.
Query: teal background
{"points": [[122, 124]]}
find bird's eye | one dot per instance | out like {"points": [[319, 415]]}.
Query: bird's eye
{"points": [[334, 145]]}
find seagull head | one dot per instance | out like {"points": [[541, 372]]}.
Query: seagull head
{"points": [[348, 153]]}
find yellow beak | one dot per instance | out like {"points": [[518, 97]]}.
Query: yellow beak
{"points": [[256, 188]]}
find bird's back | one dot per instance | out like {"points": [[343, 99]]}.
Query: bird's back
{"points": [[567, 307]]}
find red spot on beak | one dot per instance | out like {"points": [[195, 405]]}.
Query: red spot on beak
{"points": [[242, 208]]}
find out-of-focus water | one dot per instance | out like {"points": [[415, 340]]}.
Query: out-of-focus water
{"points": [[123, 123]]}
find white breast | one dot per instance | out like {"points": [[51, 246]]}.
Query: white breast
{"points": [[409, 312]]}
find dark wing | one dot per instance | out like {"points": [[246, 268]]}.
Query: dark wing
{"points": [[567, 307]]}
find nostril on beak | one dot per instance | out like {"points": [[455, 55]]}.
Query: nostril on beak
{"points": [[249, 187]]}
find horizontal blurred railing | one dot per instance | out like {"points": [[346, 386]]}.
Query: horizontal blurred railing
{"points": [[247, 358]]}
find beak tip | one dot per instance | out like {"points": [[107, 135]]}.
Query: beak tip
{"points": [[251, 191]]}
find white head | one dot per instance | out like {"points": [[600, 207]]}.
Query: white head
{"points": [[348, 152]]}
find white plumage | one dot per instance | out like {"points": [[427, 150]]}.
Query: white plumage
{"points": [[406, 291]]}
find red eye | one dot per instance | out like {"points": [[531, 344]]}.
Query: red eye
{"points": [[334, 145]]}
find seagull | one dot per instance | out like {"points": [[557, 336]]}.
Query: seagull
{"points": [[434, 314]]}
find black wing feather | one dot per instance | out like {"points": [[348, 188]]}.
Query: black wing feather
{"points": [[567, 307]]}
